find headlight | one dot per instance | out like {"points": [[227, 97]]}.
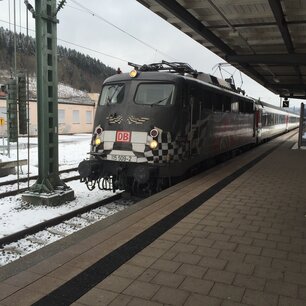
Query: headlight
{"points": [[97, 141], [133, 73], [153, 144]]}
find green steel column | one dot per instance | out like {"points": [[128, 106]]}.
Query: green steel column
{"points": [[12, 123], [47, 105]]}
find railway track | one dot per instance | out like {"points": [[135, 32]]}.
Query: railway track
{"points": [[34, 177], [32, 238]]}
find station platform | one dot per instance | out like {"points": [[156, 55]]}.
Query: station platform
{"points": [[234, 235]]}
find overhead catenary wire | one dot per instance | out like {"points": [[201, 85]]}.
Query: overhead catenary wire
{"points": [[92, 13], [93, 50], [77, 45], [111, 24]]}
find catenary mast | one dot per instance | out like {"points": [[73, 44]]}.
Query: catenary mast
{"points": [[48, 189]]}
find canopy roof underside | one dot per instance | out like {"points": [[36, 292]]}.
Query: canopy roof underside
{"points": [[265, 39]]}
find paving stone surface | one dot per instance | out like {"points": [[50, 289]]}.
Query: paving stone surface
{"points": [[244, 246]]}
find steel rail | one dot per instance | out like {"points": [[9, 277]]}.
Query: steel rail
{"points": [[34, 177], [55, 221]]}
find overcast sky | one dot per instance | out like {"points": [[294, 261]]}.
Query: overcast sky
{"points": [[144, 38]]}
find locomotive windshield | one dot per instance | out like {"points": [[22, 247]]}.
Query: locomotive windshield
{"points": [[112, 94], [154, 94]]}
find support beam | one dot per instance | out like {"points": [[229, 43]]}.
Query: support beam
{"points": [[172, 10], [295, 87], [181, 13], [281, 22], [282, 25], [255, 24], [293, 96], [280, 59]]}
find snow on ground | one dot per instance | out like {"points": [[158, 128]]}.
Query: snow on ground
{"points": [[15, 213], [64, 91]]}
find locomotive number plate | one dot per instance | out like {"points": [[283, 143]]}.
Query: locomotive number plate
{"points": [[121, 158], [123, 136]]}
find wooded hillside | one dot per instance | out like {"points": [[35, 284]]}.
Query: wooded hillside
{"points": [[74, 68]]}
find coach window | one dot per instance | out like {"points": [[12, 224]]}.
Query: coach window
{"points": [[154, 94], [207, 101], [217, 103], [241, 106], [112, 94], [270, 119], [61, 116], [235, 107], [75, 116], [226, 104]]}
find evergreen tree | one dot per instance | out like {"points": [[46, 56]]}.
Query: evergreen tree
{"points": [[74, 68]]}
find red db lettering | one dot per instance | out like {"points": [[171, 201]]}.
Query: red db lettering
{"points": [[123, 136]]}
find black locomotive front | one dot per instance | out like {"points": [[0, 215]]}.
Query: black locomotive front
{"points": [[138, 132]]}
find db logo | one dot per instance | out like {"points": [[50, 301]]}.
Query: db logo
{"points": [[123, 136]]}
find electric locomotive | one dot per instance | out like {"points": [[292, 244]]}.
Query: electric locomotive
{"points": [[159, 121]]}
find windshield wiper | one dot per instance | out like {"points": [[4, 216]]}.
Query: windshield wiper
{"points": [[108, 98], [160, 101]]}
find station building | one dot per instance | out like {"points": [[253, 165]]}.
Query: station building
{"points": [[75, 114]]}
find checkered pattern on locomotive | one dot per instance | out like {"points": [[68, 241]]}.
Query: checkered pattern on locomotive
{"points": [[167, 151]]}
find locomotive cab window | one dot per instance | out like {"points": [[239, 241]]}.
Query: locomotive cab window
{"points": [[112, 94], [154, 94]]}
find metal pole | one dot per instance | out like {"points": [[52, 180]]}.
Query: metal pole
{"points": [[46, 46], [15, 43], [9, 8], [48, 181], [19, 16], [28, 101], [301, 125], [15, 75]]}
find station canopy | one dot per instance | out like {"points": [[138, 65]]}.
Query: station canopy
{"points": [[265, 39]]}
